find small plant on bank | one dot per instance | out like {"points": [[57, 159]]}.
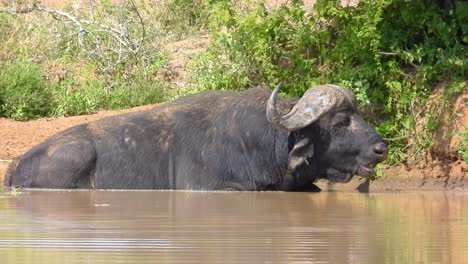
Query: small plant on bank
{"points": [[72, 97], [23, 93], [463, 146], [185, 17]]}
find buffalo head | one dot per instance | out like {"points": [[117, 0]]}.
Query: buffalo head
{"points": [[327, 137]]}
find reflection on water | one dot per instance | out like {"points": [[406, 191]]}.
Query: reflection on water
{"points": [[184, 227]]}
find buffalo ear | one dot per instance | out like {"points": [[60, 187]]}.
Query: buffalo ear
{"points": [[301, 150]]}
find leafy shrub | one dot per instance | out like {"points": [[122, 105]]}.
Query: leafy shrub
{"points": [[139, 92], [183, 14], [23, 93], [257, 49], [463, 146], [186, 16], [74, 98]]}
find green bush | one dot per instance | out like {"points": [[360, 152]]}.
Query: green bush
{"points": [[71, 97], [390, 53], [23, 93], [186, 16], [463, 146], [139, 92], [183, 14]]}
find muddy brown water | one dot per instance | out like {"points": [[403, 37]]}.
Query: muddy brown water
{"points": [[40, 226]]}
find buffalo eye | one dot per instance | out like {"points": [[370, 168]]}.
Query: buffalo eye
{"points": [[341, 120]]}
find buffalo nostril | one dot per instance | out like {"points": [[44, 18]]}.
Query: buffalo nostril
{"points": [[380, 149]]}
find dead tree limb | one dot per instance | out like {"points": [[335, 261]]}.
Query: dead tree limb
{"points": [[109, 44]]}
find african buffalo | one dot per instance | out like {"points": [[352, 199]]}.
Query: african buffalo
{"points": [[216, 140]]}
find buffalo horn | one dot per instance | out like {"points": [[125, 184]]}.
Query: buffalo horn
{"points": [[313, 104], [271, 113]]}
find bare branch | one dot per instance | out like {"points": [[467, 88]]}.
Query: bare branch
{"points": [[107, 40], [63, 14]]}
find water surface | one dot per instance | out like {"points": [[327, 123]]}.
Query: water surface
{"points": [[38, 226]]}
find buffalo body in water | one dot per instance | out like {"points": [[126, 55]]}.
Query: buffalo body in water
{"points": [[218, 140]]}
